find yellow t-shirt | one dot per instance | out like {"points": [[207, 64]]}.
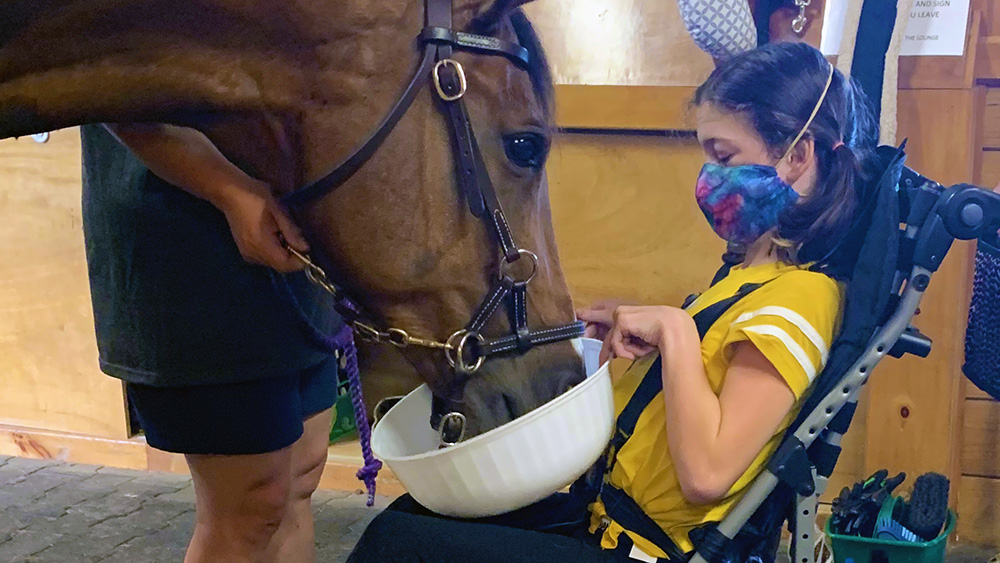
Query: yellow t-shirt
{"points": [[792, 320]]}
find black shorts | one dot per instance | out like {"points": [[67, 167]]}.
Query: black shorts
{"points": [[252, 417]]}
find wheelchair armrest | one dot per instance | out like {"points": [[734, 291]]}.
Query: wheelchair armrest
{"points": [[912, 341]]}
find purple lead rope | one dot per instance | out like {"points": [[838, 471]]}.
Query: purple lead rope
{"points": [[344, 341]]}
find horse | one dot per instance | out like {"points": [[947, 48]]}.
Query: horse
{"points": [[287, 90]]}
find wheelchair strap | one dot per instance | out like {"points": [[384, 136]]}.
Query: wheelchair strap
{"points": [[733, 257], [626, 512], [619, 506]]}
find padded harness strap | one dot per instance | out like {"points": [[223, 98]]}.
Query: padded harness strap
{"points": [[622, 509], [619, 506]]}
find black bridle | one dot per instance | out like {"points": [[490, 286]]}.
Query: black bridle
{"points": [[466, 349]]}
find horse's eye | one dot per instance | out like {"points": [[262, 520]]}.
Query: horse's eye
{"points": [[526, 150]]}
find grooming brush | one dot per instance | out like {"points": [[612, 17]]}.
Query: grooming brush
{"points": [[928, 506]]}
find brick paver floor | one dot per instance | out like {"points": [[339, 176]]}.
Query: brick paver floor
{"points": [[53, 512]]}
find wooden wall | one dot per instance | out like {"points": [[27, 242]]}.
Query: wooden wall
{"points": [[626, 220], [979, 488], [914, 412], [618, 42], [48, 356]]}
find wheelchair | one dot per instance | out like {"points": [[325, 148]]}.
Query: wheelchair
{"points": [[908, 224]]}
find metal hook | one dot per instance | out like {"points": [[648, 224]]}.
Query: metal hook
{"points": [[800, 21]]}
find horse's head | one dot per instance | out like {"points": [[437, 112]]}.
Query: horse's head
{"points": [[400, 234], [290, 90]]}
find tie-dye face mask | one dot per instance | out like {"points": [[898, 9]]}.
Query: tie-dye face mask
{"points": [[742, 202]]}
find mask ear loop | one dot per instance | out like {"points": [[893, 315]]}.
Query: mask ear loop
{"points": [[819, 104]]}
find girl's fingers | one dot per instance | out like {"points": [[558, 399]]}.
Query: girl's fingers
{"points": [[605, 354], [638, 350], [601, 316], [622, 350]]}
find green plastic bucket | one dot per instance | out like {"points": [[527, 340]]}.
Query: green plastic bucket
{"points": [[344, 426], [854, 549]]}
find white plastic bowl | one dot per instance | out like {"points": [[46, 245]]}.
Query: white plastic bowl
{"points": [[506, 468]]}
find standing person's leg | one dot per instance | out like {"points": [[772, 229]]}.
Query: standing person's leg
{"points": [[258, 507], [256, 452], [241, 502], [294, 541]]}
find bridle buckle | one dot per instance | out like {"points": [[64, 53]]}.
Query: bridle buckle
{"points": [[449, 423], [463, 85]]}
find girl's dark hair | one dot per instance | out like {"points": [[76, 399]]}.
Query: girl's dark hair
{"points": [[776, 88]]}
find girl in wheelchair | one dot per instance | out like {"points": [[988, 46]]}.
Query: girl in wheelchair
{"points": [[713, 387]]}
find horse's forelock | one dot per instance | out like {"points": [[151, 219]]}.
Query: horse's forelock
{"points": [[538, 64]]}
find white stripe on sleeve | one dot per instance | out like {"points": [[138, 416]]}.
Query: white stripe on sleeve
{"points": [[790, 344], [794, 318]]}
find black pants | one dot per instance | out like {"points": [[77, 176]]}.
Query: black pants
{"points": [[553, 530]]}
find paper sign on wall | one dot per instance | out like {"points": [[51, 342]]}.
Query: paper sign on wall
{"points": [[936, 27]]}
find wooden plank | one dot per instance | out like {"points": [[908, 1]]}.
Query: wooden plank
{"points": [[343, 461], [915, 410], [981, 439], [989, 175], [618, 42], [625, 218], [990, 16], [973, 392], [988, 59], [978, 134], [624, 107], [979, 510], [74, 448], [991, 119], [48, 354]]}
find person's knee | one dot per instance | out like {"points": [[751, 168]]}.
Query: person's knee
{"points": [[306, 473], [240, 502], [309, 455], [263, 509]]}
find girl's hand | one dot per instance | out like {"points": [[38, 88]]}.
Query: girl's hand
{"points": [[599, 317], [635, 331]]}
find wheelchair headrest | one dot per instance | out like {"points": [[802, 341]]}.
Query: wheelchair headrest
{"points": [[878, 208]]}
